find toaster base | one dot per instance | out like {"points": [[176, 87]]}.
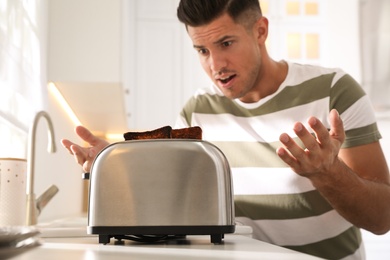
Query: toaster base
{"points": [[119, 232]]}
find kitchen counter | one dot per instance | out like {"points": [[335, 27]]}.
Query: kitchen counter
{"points": [[235, 246]]}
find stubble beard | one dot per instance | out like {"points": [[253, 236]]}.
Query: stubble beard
{"points": [[247, 87]]}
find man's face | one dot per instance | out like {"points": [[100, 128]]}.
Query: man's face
{"points": [[230, 55]]}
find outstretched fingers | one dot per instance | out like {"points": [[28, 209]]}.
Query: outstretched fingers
{"points": [[86, 135], [284, 152], [319, 149], [67, 144]]}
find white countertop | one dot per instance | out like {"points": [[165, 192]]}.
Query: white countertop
{"points": [[67, 239], [192, 247]]}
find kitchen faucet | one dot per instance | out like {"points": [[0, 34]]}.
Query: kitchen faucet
{"points": [[34, 206]]}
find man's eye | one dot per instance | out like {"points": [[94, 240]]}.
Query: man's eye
{"points": [[226, 44], [202, 51]]}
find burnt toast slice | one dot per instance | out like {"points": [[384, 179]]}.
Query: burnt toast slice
{"points": [[166, 132]]}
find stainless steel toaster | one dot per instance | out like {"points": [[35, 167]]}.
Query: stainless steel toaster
{"points": [[160, 188]]}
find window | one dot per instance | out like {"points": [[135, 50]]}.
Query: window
{"points": [[21, 83], [296, 29]]}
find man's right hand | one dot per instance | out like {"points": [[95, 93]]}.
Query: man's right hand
{"points": [[85, 155]]}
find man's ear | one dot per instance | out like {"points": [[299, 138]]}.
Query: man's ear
{"points": [[261, 30]]}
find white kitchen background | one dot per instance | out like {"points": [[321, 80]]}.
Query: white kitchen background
{"points": [[139, 48]]}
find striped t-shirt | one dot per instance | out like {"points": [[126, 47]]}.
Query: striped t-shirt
{"points": [[284, 208]]}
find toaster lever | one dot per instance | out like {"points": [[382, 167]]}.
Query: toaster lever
{"points": [[85, 176]]}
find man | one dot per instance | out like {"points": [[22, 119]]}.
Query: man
{"points": [[328, 179]]}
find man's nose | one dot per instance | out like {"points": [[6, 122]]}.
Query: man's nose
{"points": [[217, 62]]}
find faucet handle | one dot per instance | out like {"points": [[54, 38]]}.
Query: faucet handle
{"points": [[46, 197]]}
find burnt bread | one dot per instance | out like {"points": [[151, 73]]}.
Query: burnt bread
{"points": [[194, 132], [160, 133], [166, 132]]}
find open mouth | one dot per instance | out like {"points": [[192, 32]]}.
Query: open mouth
{"points": [[226, 80]]}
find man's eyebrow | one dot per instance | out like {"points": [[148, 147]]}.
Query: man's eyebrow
{"points": [[223, 39], [217, 42], [198, 46]]}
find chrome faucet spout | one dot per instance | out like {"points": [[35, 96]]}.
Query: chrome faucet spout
{"points": [[31, 214]]}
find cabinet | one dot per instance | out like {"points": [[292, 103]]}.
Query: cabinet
{"points": [[84, 41], [161, 70], [85, 60]]}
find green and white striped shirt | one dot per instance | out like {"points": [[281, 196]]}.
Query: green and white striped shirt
{"points": [[284, 207]]}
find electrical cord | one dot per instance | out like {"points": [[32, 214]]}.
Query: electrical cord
{"points": [[146, 238]]}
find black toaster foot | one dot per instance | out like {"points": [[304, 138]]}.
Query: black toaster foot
{"points": [[104, 239], [216, 238]]}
